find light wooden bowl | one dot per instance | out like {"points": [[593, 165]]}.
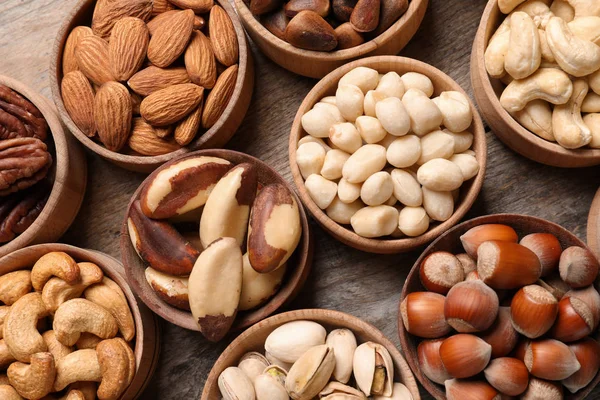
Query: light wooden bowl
{"points": [[593, 226], [254, 338], [468, 192], [299, 264], [69, 172], [316, 64], [450, 241], [487, 93], [147, 336], [217, 136]]}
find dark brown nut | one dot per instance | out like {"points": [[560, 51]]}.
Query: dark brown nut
{"points": [[182, 187], [391, 11], [35, 127], [347, 37], [10, 96], [308, 30], [10, 126], [342, 9], [23, 213], [171, 289], [23, 162], [293, 7], [144, 139], [259, 7], [199, 22], [159, 245], [19, 117], [276, 22], [365, 16], [274, 230]]}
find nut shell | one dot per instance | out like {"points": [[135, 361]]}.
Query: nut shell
{"points": [[423, 315], [533, 311], [578, 267], [483, 233], [465, 355], [471, 306], [440, 271], [507, 265], [575, 320], [550, 359], [428, 353], [587, 352], [308, 30], [502, 336], [508, 375], [548, 249]]}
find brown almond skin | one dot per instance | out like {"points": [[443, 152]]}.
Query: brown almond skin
{"points": [[113, 111], [171, 104], [92, 59], [127, 47], [187, 128], [145, 140], [150, 79], [200, 62], [365, 16], [276, 22], [390, 12], [69, 63], [108, 12], [199, 6], [170, 39], [78, 96], [259, 7], [219, 97], [293, 7], [222, 36], [161, 6], [155, 22], [348, 37], [308, 30]]}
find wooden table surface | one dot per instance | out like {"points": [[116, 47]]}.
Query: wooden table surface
{"points": [[344, 279]]}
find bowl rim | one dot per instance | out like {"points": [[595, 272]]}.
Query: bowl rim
{"points": [[479, 72], [295, 280], [244, 68], [593, 226], [332, 317], [61, 164], [413, 275], [387, 245]]}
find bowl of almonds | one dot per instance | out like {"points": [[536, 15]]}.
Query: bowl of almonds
{"points": [[140, 82]]}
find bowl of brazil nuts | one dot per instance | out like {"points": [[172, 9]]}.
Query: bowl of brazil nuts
{"points": [[216, 241], [521, 47], [306, 353], [387, 153], [503, 305]]}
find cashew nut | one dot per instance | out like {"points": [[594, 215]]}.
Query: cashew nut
{"points": [[548, 84], [3, 313], [569, 129], [585, 8], [4, 379], [523, 57], [507, 6], [55, 263], [538, 10], [87, 341], [586, 28], [424, 115], [6, 358], [56, 348], [34, 380], [20, 332], [591, 103], [594, 82], [74, 394], [80, 315], [495, 53], [79, 366], [537, 117], [575, 56], [86, 389], [563, 10], [117, 364], [593, 123], [108, 298], [14, 285], [547, 56], [7, 392], [56, 291]]}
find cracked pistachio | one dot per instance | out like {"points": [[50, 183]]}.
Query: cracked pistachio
{"points": [[235, 385], [310, 373], [339, 391], [253, 364], [289, 341], [400, 392], [343, 342], [276, 361], [270, 385], [373, 369]]}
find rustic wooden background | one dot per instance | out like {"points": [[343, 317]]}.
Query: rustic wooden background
{"points": [[344, 279]]}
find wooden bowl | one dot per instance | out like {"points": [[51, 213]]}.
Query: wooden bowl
{"points": [[217, 136], [593, 226], [69, 170], [293, 281], [317, 64], [254, 338], [487, 93], [147, 336], [468, 193], [450, 241]]}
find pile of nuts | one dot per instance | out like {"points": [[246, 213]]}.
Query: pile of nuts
{"points": [[303, 361], [549, 58], [24, 163], [522, 314], [387, 167], [74, 329], [247, 233], [326, 25], [136, 79]]}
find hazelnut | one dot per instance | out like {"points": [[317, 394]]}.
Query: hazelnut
{"points": [[502, 336], [547, 247], [539, 389], [423, 315], [471, 306], [550, 359], [463, 389], [508, 375], [575, 320], [507, 265], [578, 267], [483, 233], [428, 353], [440, 271], [533, 311], [465, 355], [587, 352]]}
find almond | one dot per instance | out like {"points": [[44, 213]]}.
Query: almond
{"points": [[144, 140], [163, 131], [308, 30], [155, 22], [112, 109], [171, 104], [92, 59], [108, 12], [78, 96], [222, 36], [136, 100], [188, 127], [127, 47], [152, 78], [200, 61], [365, 16], [198, 6], [199, 22], [219, 96], [69, 63], [171, 38], [161, 6]]}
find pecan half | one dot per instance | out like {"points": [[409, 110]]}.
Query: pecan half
{"points": [[19, 211], [30, 118], [23, 162]]}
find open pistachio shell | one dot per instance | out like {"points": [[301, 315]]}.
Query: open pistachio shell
{"points": [[235, 385], [343, 343], [276, 361], [270, 385], [339, 391], [309, 375], [253, 364], [373, 369]]}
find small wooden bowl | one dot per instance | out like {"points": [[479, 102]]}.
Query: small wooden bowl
{"points": [[147, 336], [468, 192], [487, 94], [254, 338], [450, 241], [593, 226], [217, 136], [294, 278], [317, 64], [69, 169]]}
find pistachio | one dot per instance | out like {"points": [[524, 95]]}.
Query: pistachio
{"points": [[258, 287], [339, 391], [308, 30], [276, 361], [291, 340], [343, 343], [400, 392], [235, 385], [270, 385], [310, 373], [253, 364], [373, 369]]}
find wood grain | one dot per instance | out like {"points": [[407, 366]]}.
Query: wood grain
{"points": [[342, 278]]}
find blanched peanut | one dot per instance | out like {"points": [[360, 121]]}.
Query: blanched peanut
{"points": [[328, 100], [342, 212], [332, 108], [370, 129], [391, 201], [563, 10], [317, 122], [377, 189], [375, 221], [348, 192], [439, 205], [591, 103], [321, 190], [345, 136], [456, 110], [310, 158], [393, 116], [350, 101], [387, 140], [593, 122], [495, 53], [332, 166], [413, 221], [424, 115], [415, 80], [312, 139], [364, 162], [462, 140], [440, 174], [524, 56], [437, 144], [469, 167], [406, 188], [404, 151], [371, 99], [537, 117], [365, 78], [469, 152], [391, 85]]}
